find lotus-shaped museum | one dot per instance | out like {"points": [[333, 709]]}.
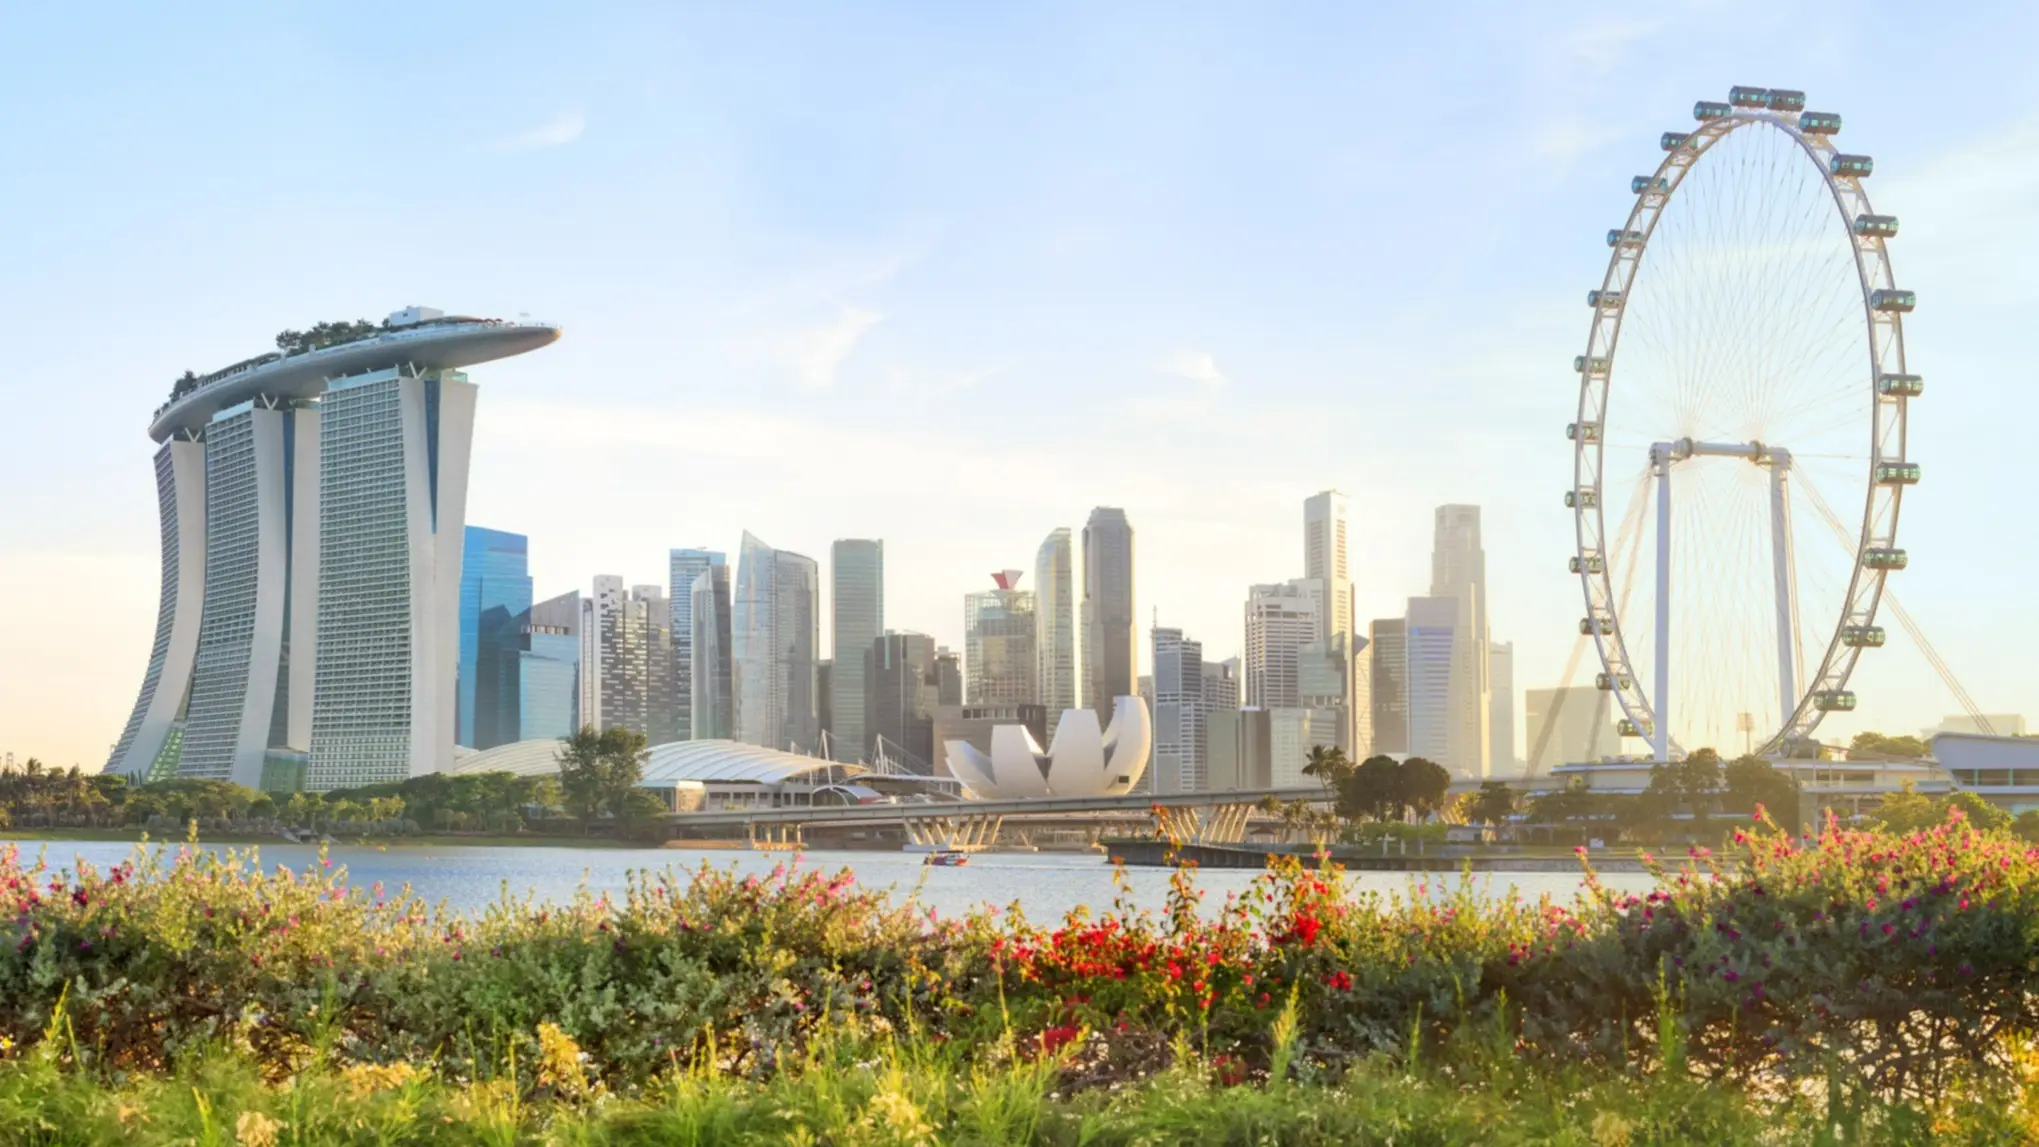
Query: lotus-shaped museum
{"points": [[1081, 760]]}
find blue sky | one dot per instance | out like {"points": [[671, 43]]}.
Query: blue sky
{"points": [[952, 274]]}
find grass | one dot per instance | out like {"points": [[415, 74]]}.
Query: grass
{"points": [[906, 1093]]}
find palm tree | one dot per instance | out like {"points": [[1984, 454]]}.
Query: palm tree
{"points": [[1330, 765]]}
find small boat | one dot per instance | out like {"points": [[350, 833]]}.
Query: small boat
{"points": [[947, 858]]}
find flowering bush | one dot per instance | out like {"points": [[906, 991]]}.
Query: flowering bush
{"points": [[1900, 960]]}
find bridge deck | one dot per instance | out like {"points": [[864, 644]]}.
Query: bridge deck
{"points": [[887, 814]]}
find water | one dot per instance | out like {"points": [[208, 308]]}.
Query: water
{"points": [[1045, 885]]}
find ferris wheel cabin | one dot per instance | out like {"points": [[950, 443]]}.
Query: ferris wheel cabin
{"points": [[1834, 701], [1642, 183], [1900, 385], [1885, 558], [1819, 123], [1581, 499], [1598, 298], [1852, 166], [1893, 302], [1673, 140], [1862, 636], [1876, 226], [1706, 110], [1582, 431], [1897, 473], [1744, 96]]}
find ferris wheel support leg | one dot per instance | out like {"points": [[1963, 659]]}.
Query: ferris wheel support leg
{"points": [[1780, 549], [1660, 734]]}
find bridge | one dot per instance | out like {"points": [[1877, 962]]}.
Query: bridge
{"points": [[1201, 818]]}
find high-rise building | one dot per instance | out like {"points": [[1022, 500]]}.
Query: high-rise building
{"points": [[1221, 684], [1458, 570], [1324, 559], [824, 705], [857, 603], [1111, 656], [252, 688], [902, 692], [1055, 590], [1289, 741], [661, 668], [999, 631], [1431, 638], [1324, 684], [1501, 707], [775, 633], [495, 595], [548, 669], [315, 492], [1180, 764], [685, 567], [948, 677], [1566, 726], [1388, 655], [1280, 621], [710, 675], [627, 665]]}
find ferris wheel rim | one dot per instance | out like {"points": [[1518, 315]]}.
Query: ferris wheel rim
{"points": [[1888, 420]]}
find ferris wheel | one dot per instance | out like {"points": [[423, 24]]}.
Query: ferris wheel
{"points": [[1742, 402]]}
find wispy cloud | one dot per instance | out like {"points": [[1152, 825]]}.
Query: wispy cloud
{"points": [[816, 353], [558, 131]]}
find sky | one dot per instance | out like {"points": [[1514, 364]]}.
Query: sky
{"points": [[951, 275]]}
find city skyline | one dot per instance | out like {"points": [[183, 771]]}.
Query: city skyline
{"points": [[861, 342]]}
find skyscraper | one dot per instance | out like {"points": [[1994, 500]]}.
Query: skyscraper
{"points": [[774, 634], [1179, 711], [1335, 670], [1458, 570], [495, 597], [999, 630], [1111, 658], [627, 660], [1055, 623], [857, 604], [253, 687], [1280, 621], [1430, 647], [1324, 559], [902, 691], [1221, 684], [685, 567], [661, 698], [1501, 677], [314, 492], [548, 670], [710, 675], [1389, 658]]}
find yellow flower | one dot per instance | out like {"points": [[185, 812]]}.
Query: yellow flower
{"points": [[255, 1129], [1610, 1130], [365, 1079]]}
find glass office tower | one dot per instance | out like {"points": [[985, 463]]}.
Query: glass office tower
{"points": [[495, 597]]}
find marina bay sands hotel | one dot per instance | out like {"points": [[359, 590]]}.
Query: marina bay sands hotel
{"points": [[313, 505]]}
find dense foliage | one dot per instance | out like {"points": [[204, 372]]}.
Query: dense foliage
{"points": [[1896, 964], [36, 797]]}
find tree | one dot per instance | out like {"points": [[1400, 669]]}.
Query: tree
{"points": [[1329, 765], [1373, 790], [2027, 826], [598, 771], [1494, 803], [1753, 781], [1424, 784], [1877, 747], [1911, 811]]}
